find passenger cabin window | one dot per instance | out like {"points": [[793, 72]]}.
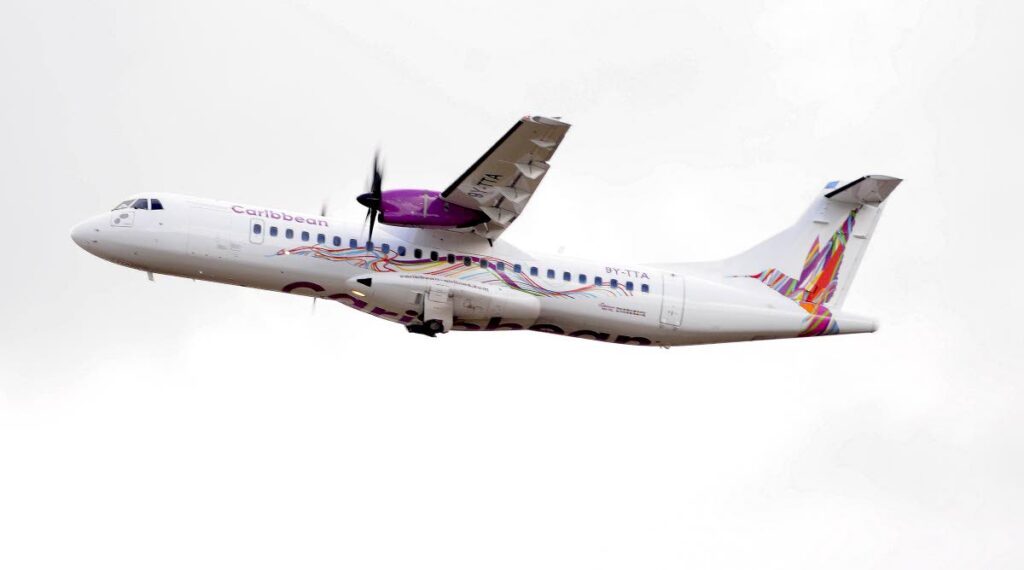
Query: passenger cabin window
{"points": [[501, 266], [551, 273], [257, 229], [401, 250], [598, 281], [336, 241], [629, 285], [533, 271], [517, 268], [614, 283], [583, 279], [417, 253], [644, 288], [155, 204], [483, 263], [433, 256], [369, 246], [289, 233], [305, 236], [353, 243], [566, 276], [384, 248], [467, 260], [141, 204], [451, 258], [273, 231], [321, 238]]}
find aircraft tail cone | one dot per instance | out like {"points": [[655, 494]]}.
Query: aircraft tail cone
{"points": [[850, 323]]}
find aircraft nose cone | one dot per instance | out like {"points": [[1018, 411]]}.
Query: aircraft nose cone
{"points": [[80, 235]]}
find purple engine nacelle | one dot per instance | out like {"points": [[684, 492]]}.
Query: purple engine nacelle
{"points": [[425, 209]]}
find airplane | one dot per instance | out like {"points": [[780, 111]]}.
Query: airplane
{"points": [[438, 263]]}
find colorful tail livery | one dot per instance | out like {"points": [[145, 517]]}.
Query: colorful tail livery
{"points": [[439, 261], [850, 212]]}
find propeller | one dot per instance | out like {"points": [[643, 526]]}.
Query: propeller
{"points": [[372, 199]]}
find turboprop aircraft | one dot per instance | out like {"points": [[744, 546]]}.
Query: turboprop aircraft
{"points": [[439, 263]]}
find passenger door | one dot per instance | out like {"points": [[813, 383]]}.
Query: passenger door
{"points": [[673, 294], [257, 228]]}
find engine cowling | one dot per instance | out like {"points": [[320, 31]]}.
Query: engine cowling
{"points": [[421, 209]]}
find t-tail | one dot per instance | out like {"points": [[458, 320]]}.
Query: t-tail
{"points": [[814, 261], [806, 270]]}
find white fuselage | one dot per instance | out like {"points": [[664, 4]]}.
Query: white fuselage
{"points": [[491, 287]]}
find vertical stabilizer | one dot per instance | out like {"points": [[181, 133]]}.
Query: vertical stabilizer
{"points": [[814, 261]]}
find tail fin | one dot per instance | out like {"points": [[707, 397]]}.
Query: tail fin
{"points": [[814, 261]]}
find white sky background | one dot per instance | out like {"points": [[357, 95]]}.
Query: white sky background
{"points": [[177, 424]]}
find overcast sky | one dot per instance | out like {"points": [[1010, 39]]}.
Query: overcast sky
{"points": [[178, 424]]}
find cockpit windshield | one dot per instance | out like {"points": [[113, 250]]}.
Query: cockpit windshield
{"points": [[140, 204]]}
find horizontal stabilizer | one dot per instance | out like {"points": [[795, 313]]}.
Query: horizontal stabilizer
{"points": [[872, 189]]}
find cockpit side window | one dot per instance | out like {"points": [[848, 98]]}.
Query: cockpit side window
{"points": [[123, 205], [155, 204], [141, 204]]}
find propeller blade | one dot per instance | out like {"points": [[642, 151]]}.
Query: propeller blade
{"points": [[373, 197], [378, 175]]}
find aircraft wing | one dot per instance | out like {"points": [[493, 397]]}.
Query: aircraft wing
{"points": [[501, 182]]}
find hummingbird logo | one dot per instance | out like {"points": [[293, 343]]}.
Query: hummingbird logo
{"points": [[818, 280]]}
